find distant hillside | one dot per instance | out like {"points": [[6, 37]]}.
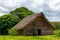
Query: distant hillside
{"points": [[56, 25]]}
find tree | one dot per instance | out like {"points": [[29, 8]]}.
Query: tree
{"points": [[6, 22], [9, 20], [21, 12], [56, 25]]}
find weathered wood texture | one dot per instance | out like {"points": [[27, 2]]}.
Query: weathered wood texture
{"points": [[38, 22]]}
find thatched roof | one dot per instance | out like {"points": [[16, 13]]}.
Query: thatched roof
{"points": [[28, 19]]}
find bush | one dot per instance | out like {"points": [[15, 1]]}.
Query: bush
{"points": [[59, 34], [7, 22], [13, 31], [56, 32]]}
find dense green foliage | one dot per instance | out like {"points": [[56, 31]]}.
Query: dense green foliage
{"points": [[21, 12], [13, 31], [57, 32], [56, 25], [9, 20], [6, 22]]}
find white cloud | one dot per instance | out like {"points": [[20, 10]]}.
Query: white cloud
{"points": [[3, 9], [54, 18], [35, 5], [2, 14], [52, 4], [12, 3], [9, 3], [49, 7], [38, 2]]}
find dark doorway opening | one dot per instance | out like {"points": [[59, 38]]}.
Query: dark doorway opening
{"points": [[39, 31]]}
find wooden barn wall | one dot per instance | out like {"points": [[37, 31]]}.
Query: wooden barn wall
{"points": [[40, 24]]}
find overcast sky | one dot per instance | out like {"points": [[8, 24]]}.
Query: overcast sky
{"points": [[51, 8]]}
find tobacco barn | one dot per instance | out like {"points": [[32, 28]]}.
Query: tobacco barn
{"points": [[34, 25]]}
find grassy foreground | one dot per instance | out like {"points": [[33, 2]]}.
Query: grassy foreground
{"points": [[49, 37]]}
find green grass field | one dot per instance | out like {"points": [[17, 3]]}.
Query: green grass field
{"points": [[49, 37]]}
